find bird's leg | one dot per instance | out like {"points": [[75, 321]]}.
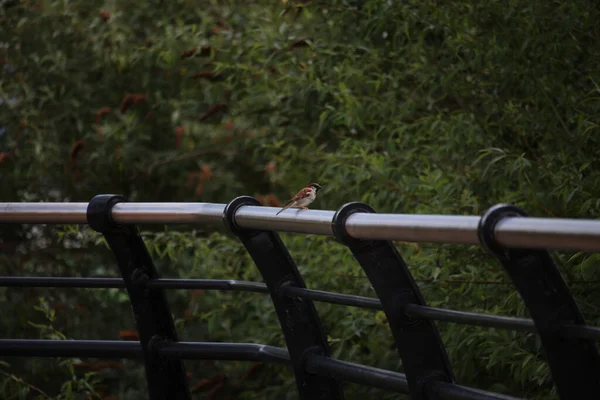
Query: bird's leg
{"points": [[305, 208]]}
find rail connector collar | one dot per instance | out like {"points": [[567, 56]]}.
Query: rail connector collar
{"points": [[99, 212], [488, 223], [154, 347], [307, 356], [231, 209], [338, 223]]}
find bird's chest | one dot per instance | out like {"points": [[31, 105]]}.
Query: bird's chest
{"points": [[308, 199]]}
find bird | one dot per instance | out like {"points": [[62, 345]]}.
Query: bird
{"points": [[303, 198]]}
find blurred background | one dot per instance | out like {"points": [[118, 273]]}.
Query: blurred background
{"points": [[411, 106]]}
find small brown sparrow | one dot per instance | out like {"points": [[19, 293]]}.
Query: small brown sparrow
{"points": [[303, 198]]}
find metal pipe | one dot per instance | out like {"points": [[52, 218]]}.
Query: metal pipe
{"points": [[416, 311], [317, 222], [549, 233], [350, 372], [208, 284], [43, 213], [226, 351], [333, 298], [119, 349], [168, 213], [412, 310], [530, 232], [62, 282], [414, 228], [70, 282]]}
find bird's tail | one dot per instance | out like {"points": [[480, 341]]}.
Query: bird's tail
{"points": [[284, 208]]}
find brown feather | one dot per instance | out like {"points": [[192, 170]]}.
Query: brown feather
{"points": [[300, 195]]}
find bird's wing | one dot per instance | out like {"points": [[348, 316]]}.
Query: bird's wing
{"points": [[302, 194]]}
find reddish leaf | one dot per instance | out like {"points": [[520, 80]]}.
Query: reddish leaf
{"points": [[208, 75], [179, 131], [130, 100], [105, 15], [101, 113], [270, 168], [5, 156], [273, 201], [188, 53], [77, 148], [129, 335]]}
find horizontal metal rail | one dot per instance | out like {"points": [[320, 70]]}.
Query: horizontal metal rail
{"points": [[319, 365], [413, 311], [513, 232], [119, 349], [91, 283], [358, 373]]}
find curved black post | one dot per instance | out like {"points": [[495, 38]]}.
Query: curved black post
{"points": [[298, 317], [421, 349], [166, 377], [574, 362]]}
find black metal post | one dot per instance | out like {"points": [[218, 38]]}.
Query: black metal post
{"points": [[421, 349], [298, 317], [166, 377], [574, 362]]}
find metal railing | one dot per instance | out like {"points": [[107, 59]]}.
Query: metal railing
{"points": [[520, 243]]}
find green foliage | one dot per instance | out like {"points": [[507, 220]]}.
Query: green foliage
{"points": [[410, 106], [75, 387]]}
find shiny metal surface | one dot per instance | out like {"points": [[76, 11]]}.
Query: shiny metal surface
{"points": [[414, 227], [316, 222], [168, 213], [550, 233], [43, 213]]}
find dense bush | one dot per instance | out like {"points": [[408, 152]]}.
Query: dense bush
{"points": [[412, 106]]}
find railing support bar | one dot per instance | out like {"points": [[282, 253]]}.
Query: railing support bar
{"points": [[574, 362], [419, 344], [166, 377], [298, 317]]}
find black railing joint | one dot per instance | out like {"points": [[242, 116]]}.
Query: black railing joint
{"points": [[153, 346], [405, 319], [232, 208], [308, 354], [487, 226], [139, 281], [283, 291], [99, 212], [338, 223]]}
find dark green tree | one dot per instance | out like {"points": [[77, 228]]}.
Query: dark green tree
{"points": [[413, 107]]}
